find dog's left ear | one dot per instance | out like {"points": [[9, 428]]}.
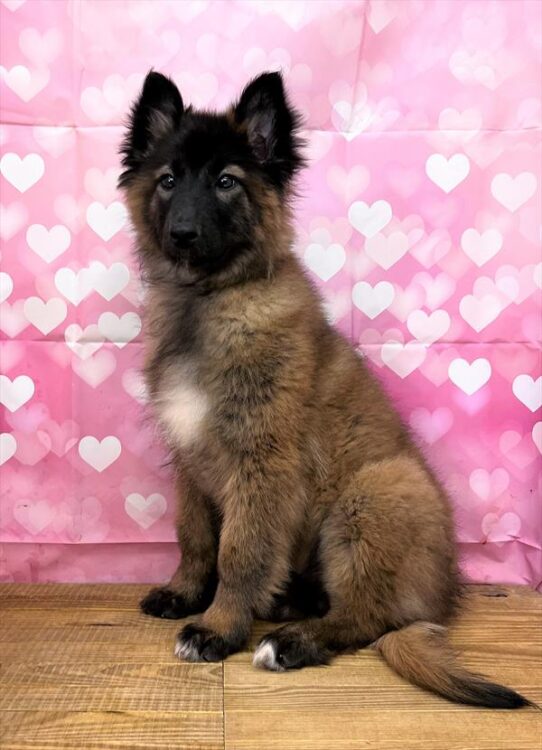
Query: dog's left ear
{"points": [[270, 124], [156, 112]]}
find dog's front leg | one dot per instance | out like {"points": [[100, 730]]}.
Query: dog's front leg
{"points": [[260, 504]]}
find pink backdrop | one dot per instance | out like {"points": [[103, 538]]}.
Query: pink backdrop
{"points": [[419, 219]]}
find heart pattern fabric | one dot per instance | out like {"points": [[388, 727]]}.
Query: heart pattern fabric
{"points": [[420, 222]]}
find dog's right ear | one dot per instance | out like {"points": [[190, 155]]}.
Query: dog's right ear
{"points": [[157, 112]]}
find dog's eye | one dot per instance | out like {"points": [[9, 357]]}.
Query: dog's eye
{"points": [[167, 181], [226, 182]]}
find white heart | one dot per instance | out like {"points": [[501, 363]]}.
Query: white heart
{"points": [[6, 286], [369, 220], [99, 454], [109, 282], [470, 377], [145, 511], [479, 313], [403, 359], [45, 316], [373, 300], [447, 174], [96, 369], [8, 447], [428, 328], [83, 342], [513, 192], [106, 221], [22, 173], [23, 82], [325, 262], [12, 318], [75, 286], [134, 385], [56, 140], [481, 247], [15, 393], [386, 251], [119, 330], [49, 244], [529, 391]]}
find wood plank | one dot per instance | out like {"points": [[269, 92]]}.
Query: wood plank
{"points": [[459, 728], [139, 686], [359, 702], [83, 668], [68, 595], [77, 730]]}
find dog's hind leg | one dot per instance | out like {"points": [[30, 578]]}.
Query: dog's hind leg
{"points": [[386, 562]]}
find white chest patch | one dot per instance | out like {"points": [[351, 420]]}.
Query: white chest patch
{"points": [[181, 408]]}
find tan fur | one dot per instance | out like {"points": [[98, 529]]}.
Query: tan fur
{"points": [[297, 449]]}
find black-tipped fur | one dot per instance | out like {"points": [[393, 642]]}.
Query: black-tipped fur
{"points": [[155, 113], [205, 645], [480, 692], [270, 123]]}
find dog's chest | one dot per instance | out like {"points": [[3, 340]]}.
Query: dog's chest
{"points": [[182, 406]]}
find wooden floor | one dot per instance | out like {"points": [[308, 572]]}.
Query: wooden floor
{"points": [[81, 668]]}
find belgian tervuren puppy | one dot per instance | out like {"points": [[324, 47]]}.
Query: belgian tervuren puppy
{"points": [[301, 495]]}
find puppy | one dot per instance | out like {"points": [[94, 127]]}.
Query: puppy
{"points": [[301, 496]]}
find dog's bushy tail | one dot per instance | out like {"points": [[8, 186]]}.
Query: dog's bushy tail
{"points": [[421, 654]]}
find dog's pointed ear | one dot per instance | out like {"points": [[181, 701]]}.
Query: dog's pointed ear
{"points": [[270, 123], [156, 112]]}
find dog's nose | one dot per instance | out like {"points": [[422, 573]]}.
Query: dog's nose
{"points": [[184, 234]]}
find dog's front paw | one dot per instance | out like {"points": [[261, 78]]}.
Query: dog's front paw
{"points": [[196, 643], [164, 602]]}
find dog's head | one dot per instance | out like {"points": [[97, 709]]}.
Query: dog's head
{"points": [[205, 190]]}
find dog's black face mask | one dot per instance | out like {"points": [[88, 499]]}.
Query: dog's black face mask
{"points": [[202, 179]]}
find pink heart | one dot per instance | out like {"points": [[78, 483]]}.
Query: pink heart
{"points": [[30, 447], [523, 277], [472, 404], [61, 437], [489, 486], [435, 366], [11, 353], [432, 248], [517, 448], [28, 418], [327, 232], [12, 219], [514, 358], [88, 524], [371, 341], [348, 184], [34, 516], [138, 440], [431, 425], [501, 528], [438, 289], [405, 182], [405, 301], [102, 186]]}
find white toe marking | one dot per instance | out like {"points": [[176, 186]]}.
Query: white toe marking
{"points": [[186, 651], [265, 657]]}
